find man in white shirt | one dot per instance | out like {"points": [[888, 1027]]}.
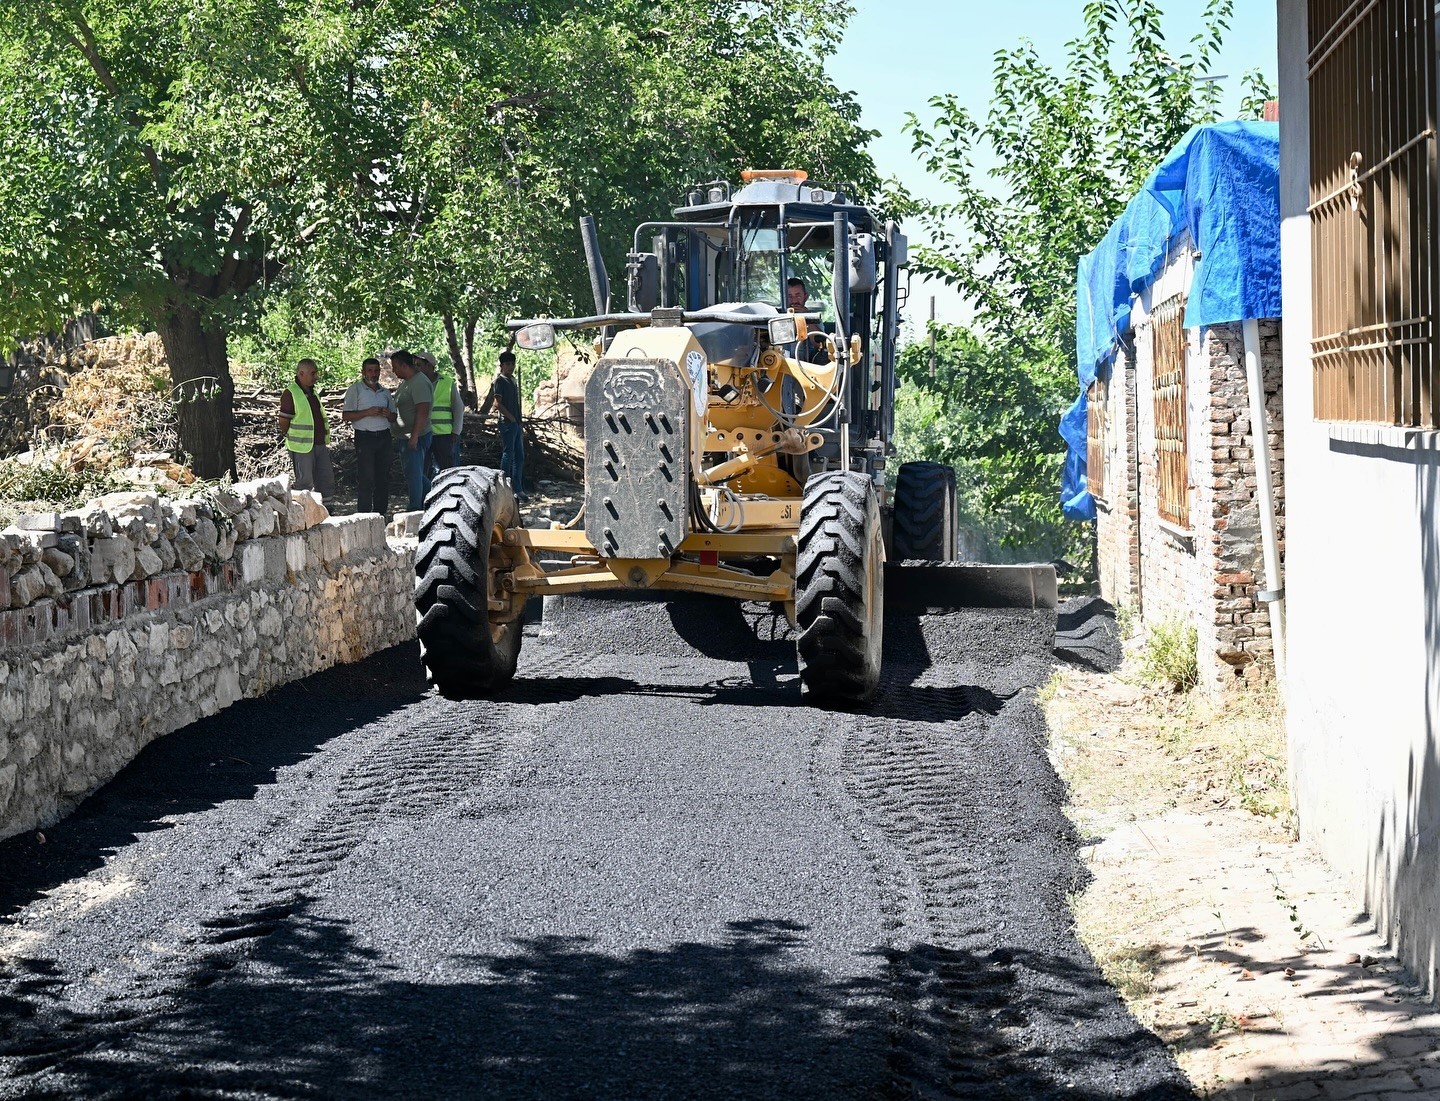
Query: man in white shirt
{"points": [[370, 409]]}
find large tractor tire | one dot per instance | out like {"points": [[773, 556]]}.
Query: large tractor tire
{"points": [[924, 515], [839, 589], [467, 656]]}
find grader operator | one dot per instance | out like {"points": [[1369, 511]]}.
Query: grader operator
{"points": [[733, 446]]}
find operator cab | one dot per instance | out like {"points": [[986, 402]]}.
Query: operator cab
{"points": [[739, 251]]}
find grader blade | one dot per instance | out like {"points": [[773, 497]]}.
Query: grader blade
{"points": [[930, 588]]}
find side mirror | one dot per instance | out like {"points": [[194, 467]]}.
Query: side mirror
{"points": [[643, 273], [899, 249], [863, 276], [536, 337]]}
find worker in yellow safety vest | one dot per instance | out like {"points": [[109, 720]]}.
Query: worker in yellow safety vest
{"points": [[306, 432], [447, 415]]}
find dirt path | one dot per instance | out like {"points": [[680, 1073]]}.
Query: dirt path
{"points": [[1238, 946]]}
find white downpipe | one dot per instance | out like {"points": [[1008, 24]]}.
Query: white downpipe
{"points": [[1260, 433]]}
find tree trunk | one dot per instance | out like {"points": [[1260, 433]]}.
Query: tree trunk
{"points": [[470, 349], [203, 390], [457, 355]]}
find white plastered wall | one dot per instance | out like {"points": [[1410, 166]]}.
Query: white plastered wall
{"points": [[1362, 561]]}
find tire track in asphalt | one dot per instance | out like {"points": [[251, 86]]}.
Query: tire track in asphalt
{"points": [[430, 768]]}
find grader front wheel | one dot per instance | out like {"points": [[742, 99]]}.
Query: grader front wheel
{"points": [[839, 588], [467, 654]]}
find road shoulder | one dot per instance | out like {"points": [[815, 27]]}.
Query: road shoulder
{"points": [[1235, 944]]}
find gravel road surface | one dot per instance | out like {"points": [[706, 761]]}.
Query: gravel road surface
{"points": [[648, 871]]}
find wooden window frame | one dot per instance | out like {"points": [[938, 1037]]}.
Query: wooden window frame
{"points": [[1169, 388], [1097, 449]]}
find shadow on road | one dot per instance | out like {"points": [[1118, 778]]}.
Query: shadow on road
{"points": [[307, 1011], [769, 686], [227, 756]]}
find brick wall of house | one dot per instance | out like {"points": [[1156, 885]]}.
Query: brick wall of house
{"points": [[1208, 572], [1117, 531], [1241, 622]]}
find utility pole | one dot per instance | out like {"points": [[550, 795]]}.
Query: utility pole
{"points": [[932, 336]]}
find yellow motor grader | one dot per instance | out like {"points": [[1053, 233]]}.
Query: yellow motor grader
{"points": [[737, 426]]}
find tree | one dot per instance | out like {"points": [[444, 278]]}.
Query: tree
{"points": [[980, 412], [612, 110], [168, 160], [1070, 147], [183, 161]]}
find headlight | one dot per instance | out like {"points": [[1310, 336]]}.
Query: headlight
{"points": [[537, 337], [784, 330]]}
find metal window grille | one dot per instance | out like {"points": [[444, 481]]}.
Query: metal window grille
{"points": [[1375, 255], [1172, 463], [1096, 448]]}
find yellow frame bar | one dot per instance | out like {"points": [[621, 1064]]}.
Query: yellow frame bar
{"points": [[686, 576], [559, 539]]}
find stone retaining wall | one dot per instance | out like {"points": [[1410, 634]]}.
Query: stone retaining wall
{"points": [[139, 615]]}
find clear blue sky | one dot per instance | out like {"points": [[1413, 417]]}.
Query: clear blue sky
{"points": [[899, 53]]}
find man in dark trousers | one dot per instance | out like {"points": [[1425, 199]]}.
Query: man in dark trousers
{"points": [[505, 395], [305, 432], [370, 409], [413, 398]]}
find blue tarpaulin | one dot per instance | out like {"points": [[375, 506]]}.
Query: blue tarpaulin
{"points": [[1221, 186]]}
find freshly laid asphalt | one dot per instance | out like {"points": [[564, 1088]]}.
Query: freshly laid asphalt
{"points": [[647, 871]]}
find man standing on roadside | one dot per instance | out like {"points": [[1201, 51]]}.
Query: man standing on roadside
{"points": [[505, 394], [370, 410], [447, 415], [306, 433], [413, 398]]}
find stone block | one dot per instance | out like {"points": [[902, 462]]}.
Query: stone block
{"points": [[252, 562], [206, 537], [406, 525], [313, 504], [228, 500], [157, 594], [294, 513], [314, 549], [276, 566], [33, 543], [147, 563], [78, 608], [188, 552], [330, 544], [136, 501], [39, 521], [112, 559], [294, 553], [27, 586], [263, 520]]}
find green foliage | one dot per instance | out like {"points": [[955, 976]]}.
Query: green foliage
{"points": [[611, 109], [282, 337], [986, 415], [1258, 92], [187, 163], [1169, 656], [55, 483], [1071, 146]]}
